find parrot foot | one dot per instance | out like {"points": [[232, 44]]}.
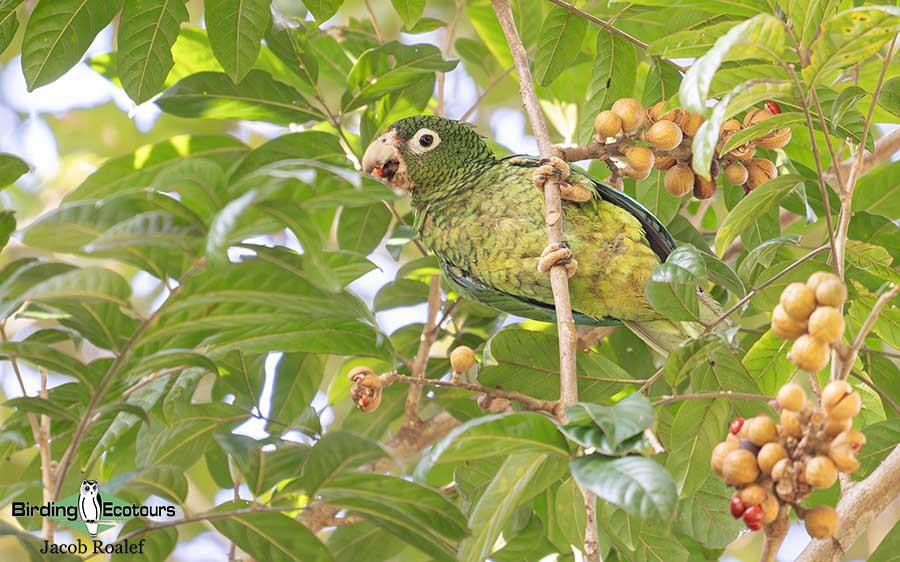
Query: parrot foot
{"points": [[559, 168], [557, 254]]}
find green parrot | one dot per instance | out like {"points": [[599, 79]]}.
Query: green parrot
{"points": [[483, 218]]}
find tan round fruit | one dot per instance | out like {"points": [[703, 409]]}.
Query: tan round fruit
{"points": [[703, 188], [785, 326], [831, 292], [635, 173], [809, 354], [759, 171], [655, 114], [462, 358], [691, 123], [844, 458], [739, 467], [840, 401], [736, 173], [762, 430], [631, 112], [791, 397], [835, 426], [820, 276], [769, 456], [798, 301], [608, 124], [780, 468], [679, 180], [821, 472], [756, 115], [850, 437], [790, 424], [729, 127], [719, 453], [665, 135], [776, 139], [827, 324], [821, 522], [664, 162], [770, 507], [639, 157], [744, 152], [754, 494]]}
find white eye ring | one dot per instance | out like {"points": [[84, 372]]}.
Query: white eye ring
{"points": [[424, 140]]}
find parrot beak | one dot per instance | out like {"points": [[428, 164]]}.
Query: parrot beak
{"points": [[382, 160]]}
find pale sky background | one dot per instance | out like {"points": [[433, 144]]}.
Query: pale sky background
{"points": [[32, 139]]}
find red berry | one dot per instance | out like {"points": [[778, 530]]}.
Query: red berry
{"points": [[753, 515], [756, 526], [773, 107], [736, 425], [737, 506]]}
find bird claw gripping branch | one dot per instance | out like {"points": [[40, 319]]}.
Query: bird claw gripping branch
{"points": [[557, 254], [558, 168]]}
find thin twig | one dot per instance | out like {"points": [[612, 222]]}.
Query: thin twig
{"points": [[645, 388], [849, 356], [612, 29], [756, 290], [396, 214], [819, 173], [531, 403], [705, 395], [429, 333], [46, 460], [775, 533], [375, 25]]}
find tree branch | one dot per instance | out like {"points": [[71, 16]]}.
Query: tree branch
{"points": [[857, 508], [426, 340], [849, 356], [559, 279]]}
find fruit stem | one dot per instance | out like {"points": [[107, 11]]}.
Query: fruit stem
{"points": [[775, 533]]}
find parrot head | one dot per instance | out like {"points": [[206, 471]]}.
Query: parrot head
{"points": [[423, 152]]}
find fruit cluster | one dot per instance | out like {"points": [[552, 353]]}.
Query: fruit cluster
{"points": [[810, 314], [773, 465], [670, 135]]}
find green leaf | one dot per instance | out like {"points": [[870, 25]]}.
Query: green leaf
{"points": [[626, 418], [873, 259], [297, 378], [761, 129], [561, 37], [141, 168], [889, 98], [335, 453], [9, 23], [651, 193], [890, 545], [528, 362], [269, 536], [402, 292], [41, 406], [409, 10], [848, 38], [235, 29], [767, 363], [639, 485], [291, 45], [88, 285], [689, 42], [495, 506], [11, 167], [307, 145], [672, 291], [701, 517], [762, 255], [879, 191], [881, 439], [806, 17], [419, 515], [612, 77], [322, 10], [57, 35], [147, 31], [696, 429], [7, 226], [424, 25], [361, 229], [188, 437], [50, 358], [570, 512], [392, 66], [763, 198], [166, 481], [759, 37], [488, 436], [721, 274], [257, 97], [689, 258], [157, 545]]}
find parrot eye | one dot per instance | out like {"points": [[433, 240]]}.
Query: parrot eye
{"points": [[424, 140]]}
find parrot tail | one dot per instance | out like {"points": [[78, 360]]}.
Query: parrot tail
{"points": [[665, 336]]}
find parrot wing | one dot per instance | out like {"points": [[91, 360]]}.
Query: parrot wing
{"points": [[659, 239], [476, 289]]}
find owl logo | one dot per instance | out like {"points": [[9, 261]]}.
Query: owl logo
{"points": [[89, 505]]}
